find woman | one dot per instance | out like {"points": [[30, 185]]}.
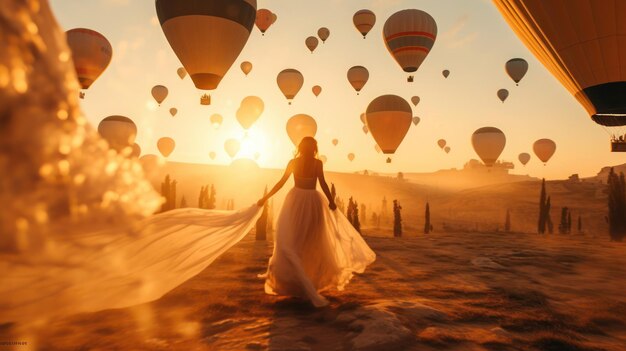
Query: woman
{"points": [[314, 249]]}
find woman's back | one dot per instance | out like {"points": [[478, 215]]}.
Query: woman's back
{"points": [[305, 172]]}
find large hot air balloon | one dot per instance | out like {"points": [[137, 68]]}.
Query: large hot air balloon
{"points": [[364, 20], [300, 126], [290, 82], [264, 19], [323, 33], [524, 158], [502, 94], [488, 142], [416, 120], [173, 111], [216, 120], [442, 143], [351, 157], [250, 110], [232, 146], [118, 131], [544, 149], [317, 90], [409, 36], [246, 67], [358, 76], [159, 93], [207, 36], [581, 43], [415, 100], [335, 142], [311, 43], [182, 73], [91, 53], [516, 68], [166, 145], [445, 73], [389, 119]]}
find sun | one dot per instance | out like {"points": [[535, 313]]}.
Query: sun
{"points": [[253, 146]]}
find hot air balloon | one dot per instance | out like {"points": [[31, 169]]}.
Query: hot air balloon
{"points": [[445, 73], [91, 53], [159, 93], [358, 76], [581, 43], [231, 146], [441, 143], [317, 90], [207, 36], [150, 163], [415, 100], [166, 146], [246, 67], [351, 157], [416, 120], [446, 149], [516, 69], [182, 73], [173, 111], [544, 149], [264, 19], [216, 120], [274, 18], [311, 43], [335, 142], [118, 131], [523, 158], [212, 155], [323, 158], [488, 142], [503, 94], [365, 129], [300, 126], [363, 118], [136, 150], [364, 20], [249, 111], [290, 82], [323, 33], [389, 119], [377, 148], [409, 36]]}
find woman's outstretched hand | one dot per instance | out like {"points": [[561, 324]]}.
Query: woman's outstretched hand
{"points": [[332, 206]]}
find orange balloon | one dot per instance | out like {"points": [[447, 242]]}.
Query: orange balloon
{"points": [[300, 126], [290, 82], [166, 146], [91, 53], [358, 76], [246, 67], [249, 111], [389, 119], [317, 90], [264, 19]]}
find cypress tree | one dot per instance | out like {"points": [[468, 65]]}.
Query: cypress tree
{"points": [[548, 217], [565, 224], [211, 199], [541, 226], [507, 222], [363, 213], [183, 202], [355, 217], [427, 219], [397, 219], [617, 206], [569, 222]]}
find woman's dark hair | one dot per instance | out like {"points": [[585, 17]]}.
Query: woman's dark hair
{"points": [[307, 147]]}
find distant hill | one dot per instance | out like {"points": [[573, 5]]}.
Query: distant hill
{"points": [[604, 172]]}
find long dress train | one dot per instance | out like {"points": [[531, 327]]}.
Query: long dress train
{"points": [[315, 249]]}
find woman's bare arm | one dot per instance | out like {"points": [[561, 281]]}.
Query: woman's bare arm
{"points": [[324, 185], [278, 185]]}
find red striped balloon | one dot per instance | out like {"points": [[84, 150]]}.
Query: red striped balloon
{"points": [[409, 36]]}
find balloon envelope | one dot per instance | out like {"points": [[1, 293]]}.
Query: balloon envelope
{"points": [[389, 119], [445, 73], [503, 94], [488, 142], [544, 149], [323, 33], [351, 157], [246, 67], [232, 146], [441, 143], [311, 43], [300, 126], [159, 93], [249, 111], [358, 76], [91, 54], [335, 142], [516, 69], [216, 120], [364, 20], [416, 120], [173, 111], [524, 158], [317, 90], [118, 131], [166, 145], [290, 82], [446, 149], [206, 36], [409, 36], [264, 19], [182, 73], [415, 100], [136, 150]]}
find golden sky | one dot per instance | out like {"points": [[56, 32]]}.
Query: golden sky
{"points": [[473, 42]]}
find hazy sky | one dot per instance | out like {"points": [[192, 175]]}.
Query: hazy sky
{"points": [[473, 42]]}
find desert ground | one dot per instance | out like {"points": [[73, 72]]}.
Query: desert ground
{"points": [[443, 291]]}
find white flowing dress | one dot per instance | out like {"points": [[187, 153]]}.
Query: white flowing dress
{"points": [[86, 271]]}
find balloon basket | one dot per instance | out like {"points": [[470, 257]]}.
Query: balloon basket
{"points": [[81, 95], [409, 79], [617, 146], [388, 159]]}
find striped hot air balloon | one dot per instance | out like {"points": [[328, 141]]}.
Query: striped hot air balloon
{"points": [[207, 36], [91, 53], [409, 36], [358, 76], [364, 21], [488, 142], [118, 131]]}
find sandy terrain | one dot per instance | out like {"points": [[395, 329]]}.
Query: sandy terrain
{"points": [[461, 291]]}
